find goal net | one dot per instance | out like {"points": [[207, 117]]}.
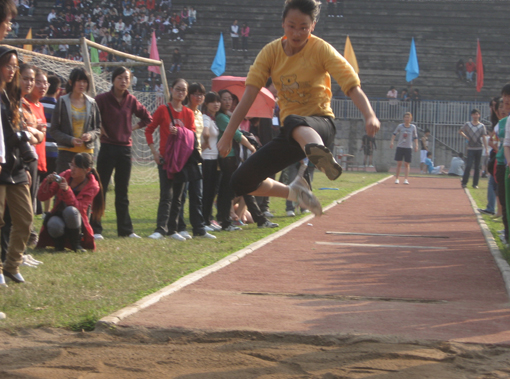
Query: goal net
{"points": [[144, 167]]}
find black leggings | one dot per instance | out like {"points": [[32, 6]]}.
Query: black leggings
{"points": [[279, 153]]}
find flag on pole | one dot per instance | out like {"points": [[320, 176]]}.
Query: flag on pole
{"points": [[350, 56], [412, 68], [220, 61], [479, 67], [154, 55], [29, 36], [94, 56]]}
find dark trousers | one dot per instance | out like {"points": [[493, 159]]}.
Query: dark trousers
{"points": [[211, 177], [226, 193], [500, 179], [170, 193], [118, 158], [235, 43], [254, 209], [196, 218], [473, 157], [276, 155]]}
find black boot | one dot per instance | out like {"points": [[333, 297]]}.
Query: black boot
{"points": [[74, 236], [59, 243]]}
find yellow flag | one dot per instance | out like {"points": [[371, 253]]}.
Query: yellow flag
{"points": [[349, 55], [29, 36]]}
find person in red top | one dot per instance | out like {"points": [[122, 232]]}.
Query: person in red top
{"points": [[116, 108], [169, 117], [470, 69], [75, 191]]}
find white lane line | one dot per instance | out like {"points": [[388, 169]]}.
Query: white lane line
{"points": [[384, 235], [377, 245]]}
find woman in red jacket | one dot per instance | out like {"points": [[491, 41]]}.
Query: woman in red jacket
{"points": [[75, 190]]}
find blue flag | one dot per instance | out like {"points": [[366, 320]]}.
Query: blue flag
{"points": [[413, 71], [220, 61]]}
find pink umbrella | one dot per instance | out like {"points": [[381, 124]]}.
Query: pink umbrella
{"points": [[264, 104]]}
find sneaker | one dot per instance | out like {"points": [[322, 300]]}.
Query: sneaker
{"points": [[207, 228], [25, 262], [305, 197], [304, 211], [2, 281], [231, 228], [291, 214], [237, 223], [133, 235], [269, 224], [214, 224], [475, 187], [33, 260], [185, 234], [178, 237], [157, 236], [406, 181], [485, 211], [98, 237], [207, 235], [322, 158], [215, 227], [16, 278], [268, 214], [397, 181], [2, 316]]}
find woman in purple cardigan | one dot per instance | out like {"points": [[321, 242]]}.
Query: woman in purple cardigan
{"points": [[116, 108]]}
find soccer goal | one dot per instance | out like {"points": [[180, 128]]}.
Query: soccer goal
{"points": [[143, 163]]}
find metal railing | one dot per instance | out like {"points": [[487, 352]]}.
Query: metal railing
{"points": [[425, 112]]}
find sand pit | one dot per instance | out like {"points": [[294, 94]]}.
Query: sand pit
{"points": [[142, 353]]}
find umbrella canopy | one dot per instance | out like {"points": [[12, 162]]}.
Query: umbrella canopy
{"points": [[264, 104]]}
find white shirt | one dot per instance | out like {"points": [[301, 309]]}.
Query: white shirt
{"points": [[211, 152]]}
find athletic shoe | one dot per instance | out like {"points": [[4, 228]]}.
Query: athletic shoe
{"points": [[32, 259], [304, 211], [16, 278], [133, 235], [2, 316], [98, 237], [291, 214], [207, 228], [178, 237], [215, 228], [305, 197], [157, 236], [215, 223], [207, 235], [397, 181], [186, 234], [2, 281], [322, 158], [231, 228], [27, 263], [475, 187], [32, 240], [269, 224], [237, 223], [268, 214], [485, 211], [406, 181]]}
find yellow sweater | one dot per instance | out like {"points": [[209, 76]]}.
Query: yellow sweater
{"points": [[303, 80]]}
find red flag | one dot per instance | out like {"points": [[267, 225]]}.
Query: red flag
{"points": [[154, 54], [479, 68]]}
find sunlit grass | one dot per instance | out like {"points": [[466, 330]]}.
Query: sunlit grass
{"points": [[74, 290]]}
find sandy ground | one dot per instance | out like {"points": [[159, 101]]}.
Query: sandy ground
{"points": [[143, 353]]}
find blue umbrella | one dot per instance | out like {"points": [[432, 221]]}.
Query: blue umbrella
{"points": [[412, 68]]}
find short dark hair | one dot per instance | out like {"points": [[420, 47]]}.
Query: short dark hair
{"points": [[461, 155], [505, 90], [196, 87], [311, 8], [429, 154], [54, 82], [119, 71], [426, 131], [77, 74], [7, 8], [475, 111]]}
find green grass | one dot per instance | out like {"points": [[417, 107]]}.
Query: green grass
{"points": [[74, 290], [480, 197]]}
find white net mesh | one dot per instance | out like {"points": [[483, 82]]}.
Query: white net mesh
{"points": [[142, 156]]}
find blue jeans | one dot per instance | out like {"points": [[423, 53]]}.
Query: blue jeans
{"points": [[473, 156], [491, 195]]}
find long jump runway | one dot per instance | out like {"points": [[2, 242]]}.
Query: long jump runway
{"points": [[408, 261]]}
